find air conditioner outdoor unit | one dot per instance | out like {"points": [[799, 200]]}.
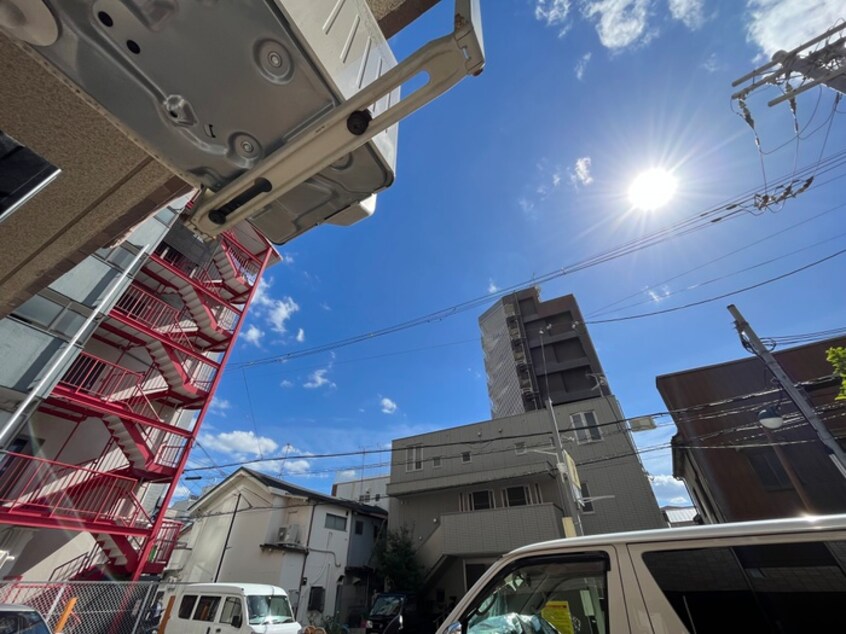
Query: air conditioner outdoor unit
{"points": [[283, 112], [288, 534]]}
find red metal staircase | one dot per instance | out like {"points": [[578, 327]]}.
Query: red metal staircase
{"points": [[179, 316]]}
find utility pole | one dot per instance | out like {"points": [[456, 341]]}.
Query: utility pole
{"points": [[564, 478], [794, 393]]}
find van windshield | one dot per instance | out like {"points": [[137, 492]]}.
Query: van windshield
{"points": [[262, 609], [386, 605]]}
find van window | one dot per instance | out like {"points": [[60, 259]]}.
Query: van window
{"points": [[231, 608], [187, 606], [793, 587], [206, 608], [545, 595]]}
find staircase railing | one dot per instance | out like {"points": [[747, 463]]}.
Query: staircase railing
{"points": [[47, 488], [246, 264], [146, 308], [109, 382]]}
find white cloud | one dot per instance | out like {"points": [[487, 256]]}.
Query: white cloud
{"points": [[325, 306], [774, 25], [658, 295], [296, 467], [665, 479], [275, 311], [301, 335], [346, 474], [288, 258], [220, 406], [581, 65], [492, 287], [620, 23], [690, 12], [553, 13], [286, 384], [580, 174], [711, 64], [526, 205], [679, 501], [388, 406], [253, 335], [280, 312], [318, 379], [181, 492], [238, 443]]}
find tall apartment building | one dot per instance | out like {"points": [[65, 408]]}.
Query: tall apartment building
{"points": [[107, 375], [536, 350]]}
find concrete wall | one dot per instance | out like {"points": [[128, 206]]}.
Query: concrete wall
{"points": [[367, 490]]}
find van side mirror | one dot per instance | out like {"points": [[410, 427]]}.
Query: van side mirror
{"points": [[237, 621]]}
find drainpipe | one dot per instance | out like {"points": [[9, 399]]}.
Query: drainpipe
{"points": [[305, 556], [41, 388]]}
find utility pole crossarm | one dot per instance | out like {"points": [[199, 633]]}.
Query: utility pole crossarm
{"points": [[796, 394]]}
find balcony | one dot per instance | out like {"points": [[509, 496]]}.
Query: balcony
{"points": [[497, 531]]}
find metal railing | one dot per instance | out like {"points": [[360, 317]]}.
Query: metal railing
{"points": [[165, 543], [153, 312], [108, 382], [246, 265], [46, 488]]}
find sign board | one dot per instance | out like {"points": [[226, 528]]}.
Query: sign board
{"points": [[558, 614]]}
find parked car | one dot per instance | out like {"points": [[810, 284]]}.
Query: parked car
{"points": [[398, 608], [228, 608], [21, 619], [775, 576]]}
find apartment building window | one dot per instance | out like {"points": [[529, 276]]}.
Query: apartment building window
{"points": [[23, 174], [465, 456], [767, 467], [587, 505], [359, 527], [436, 462], [519, 448], [55, 314], [586, 427], [414, 458], [516, 496], [481, 500], [336, 522]]}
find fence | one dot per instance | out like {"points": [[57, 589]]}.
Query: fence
{"points": [[96, 607]]}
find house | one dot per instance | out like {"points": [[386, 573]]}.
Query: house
{"points": [[736, 469], [468, 494], [255, 528]]}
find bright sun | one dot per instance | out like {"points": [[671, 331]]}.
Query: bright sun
{"points": [[652, 189]]}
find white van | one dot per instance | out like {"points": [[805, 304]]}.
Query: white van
{"points": [[776, 576], [228, 608]]}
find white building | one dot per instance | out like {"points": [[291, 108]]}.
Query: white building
{"points": [[366, 490], [258, 529]]}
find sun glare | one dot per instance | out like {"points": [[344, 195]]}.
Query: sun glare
{"points": [[652, 189]]}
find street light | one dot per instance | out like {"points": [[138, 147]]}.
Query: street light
{"points": [[770, 418]]}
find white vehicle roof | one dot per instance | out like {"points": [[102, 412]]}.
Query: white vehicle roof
{"points": [[737, 529], [261, 589]]}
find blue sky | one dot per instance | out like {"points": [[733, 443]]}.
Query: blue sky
{"points": [[519, 172]]}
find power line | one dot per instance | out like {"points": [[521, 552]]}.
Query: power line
{"points": [[720, 278], [721, 296], [605, 309], [699, 409], [720, 213]]}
